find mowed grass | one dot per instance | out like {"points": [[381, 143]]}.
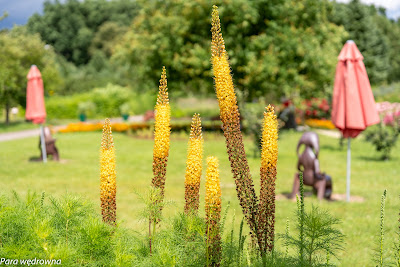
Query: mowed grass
{"points": [[78, 173]]}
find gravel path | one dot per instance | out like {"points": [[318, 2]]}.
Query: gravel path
{"points": [[36, 132]]}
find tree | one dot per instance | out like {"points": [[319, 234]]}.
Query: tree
{"points": [[275, 47], [359, 21], [18, 51], [70, 27], [391, 31]]}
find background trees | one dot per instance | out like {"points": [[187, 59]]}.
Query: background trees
{"points": [[72, 26], [276, 47], [18, 51], [361, 22]]}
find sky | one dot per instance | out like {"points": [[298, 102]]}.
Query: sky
{"points": [[20, 10]]}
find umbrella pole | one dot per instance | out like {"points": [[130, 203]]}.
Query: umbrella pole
{"points": [[44, 154], [348, 170]]}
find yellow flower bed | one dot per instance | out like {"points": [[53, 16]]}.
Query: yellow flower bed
{"points": [[324, 124], [97, 126]]}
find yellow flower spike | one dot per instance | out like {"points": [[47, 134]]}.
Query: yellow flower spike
{"points": [[162, 130], [269, 141], [269, 159], [108, 187], [222, 72], [213, 212], [213, 190], [193, 166], [230, 117]]}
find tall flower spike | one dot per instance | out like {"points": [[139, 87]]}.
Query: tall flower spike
{"points": [[162, 131], [269, 159], [213, 212], [108, 187], [193, 166], [230, 117]]}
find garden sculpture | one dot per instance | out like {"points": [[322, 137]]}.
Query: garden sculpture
{"points": [[51, 148], [308, 164]]}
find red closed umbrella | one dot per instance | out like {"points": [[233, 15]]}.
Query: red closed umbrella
{"points": [[353, 105], [35, 108]]}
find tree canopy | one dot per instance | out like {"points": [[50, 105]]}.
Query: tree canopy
{"points": [[276, 47], [72, 26], [360, 22]]}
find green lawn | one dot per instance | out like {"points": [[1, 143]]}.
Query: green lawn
{"points": [[79, 173]]}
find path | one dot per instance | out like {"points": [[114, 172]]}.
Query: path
{"points": [[35, 132]]}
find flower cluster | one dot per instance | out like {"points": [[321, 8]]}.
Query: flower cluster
{"points": [[389, 113], [269, 159], [315, 108], [193, 166], [108, 187], [213, 212], [230, 117], [162, 130]]}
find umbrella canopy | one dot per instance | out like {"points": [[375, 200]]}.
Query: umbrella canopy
{"points": [[35, 109], [353, 105]]}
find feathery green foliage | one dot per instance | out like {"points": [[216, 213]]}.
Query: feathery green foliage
{"points": [[317, 234], [66, 228]]}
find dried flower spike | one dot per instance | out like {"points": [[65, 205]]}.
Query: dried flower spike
{"points": [[108, 185], [193, 166]]}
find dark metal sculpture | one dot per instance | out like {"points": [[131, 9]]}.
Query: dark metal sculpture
{"points": [[51, 148], [308, 164]]}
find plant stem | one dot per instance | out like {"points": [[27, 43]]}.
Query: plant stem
{"points": [[150, 235], [66, 232], [382, 230], [301, 218]]}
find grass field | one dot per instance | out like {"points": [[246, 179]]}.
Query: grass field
{"points": [[78, 173]]}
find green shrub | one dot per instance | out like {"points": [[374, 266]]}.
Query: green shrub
{"points": [[65, 107], [383, 138], [186, 107], [107, 100]]}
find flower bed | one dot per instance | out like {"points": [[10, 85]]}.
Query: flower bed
{"points": [[314, 108], [323, 124], [123, 126]]}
